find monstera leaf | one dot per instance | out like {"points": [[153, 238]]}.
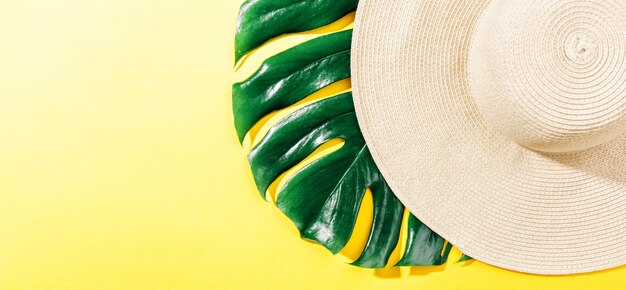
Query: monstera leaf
{"points": [[322, 198], [260, 20]]}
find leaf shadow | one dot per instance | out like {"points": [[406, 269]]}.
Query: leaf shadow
{"points": [[396, 272], [425, 270], [388, 273], [467, 263]]}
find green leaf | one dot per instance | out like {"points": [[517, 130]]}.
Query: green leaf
{"points": [[465, 258], [424, 247], [261, 20], [289, 77], [323, 198]]}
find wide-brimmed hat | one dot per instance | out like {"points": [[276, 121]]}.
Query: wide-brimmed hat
{"points": [[501, 124]]}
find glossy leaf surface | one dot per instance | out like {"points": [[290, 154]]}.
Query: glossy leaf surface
{"points": [[290, 76], [324, 197], [424, 247], [261, 20]]}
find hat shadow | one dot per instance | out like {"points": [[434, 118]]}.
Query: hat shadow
{"points": [[603, 161]]}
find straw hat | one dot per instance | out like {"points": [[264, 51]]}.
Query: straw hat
{"points": [[501, 124]]}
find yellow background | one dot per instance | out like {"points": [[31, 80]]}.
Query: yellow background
{"points": [[120, 168]]}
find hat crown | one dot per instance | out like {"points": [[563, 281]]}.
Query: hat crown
{"points": [[551, 74]]}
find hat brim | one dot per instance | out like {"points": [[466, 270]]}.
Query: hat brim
{"points": [[495, 200]]}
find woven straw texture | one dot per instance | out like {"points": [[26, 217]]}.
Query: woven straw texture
{"points": [[501, 124]]}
